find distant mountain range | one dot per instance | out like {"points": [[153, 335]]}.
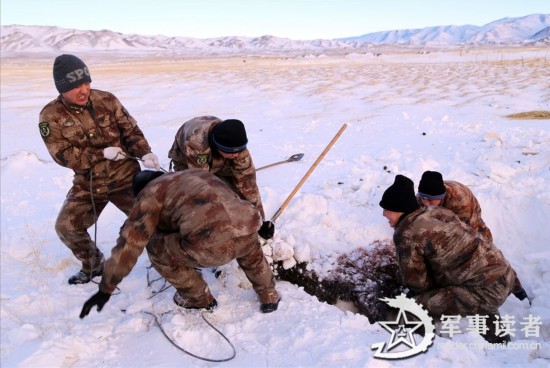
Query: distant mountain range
{"points": [[528, 30]]}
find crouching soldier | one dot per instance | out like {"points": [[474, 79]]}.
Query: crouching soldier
{"points": [[457, 197], [449, 270], [188, 220]]}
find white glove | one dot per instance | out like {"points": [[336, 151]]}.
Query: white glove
{"points": [[114, 153], [151, 161]]}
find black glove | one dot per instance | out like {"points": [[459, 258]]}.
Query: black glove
{"points": [[99, 299], [521, 295], [267, 230]]}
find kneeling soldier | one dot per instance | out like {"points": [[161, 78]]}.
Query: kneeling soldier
{"points": [[447, 268]]}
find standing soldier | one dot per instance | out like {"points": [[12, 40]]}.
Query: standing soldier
{"points": [[188, 220], [448, 269], [90, 132], [208, 143]]}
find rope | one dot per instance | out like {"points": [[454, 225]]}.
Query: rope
{"points": [[233, 354], [95, 216], [159, 325], [150, 284], [95, 230]]}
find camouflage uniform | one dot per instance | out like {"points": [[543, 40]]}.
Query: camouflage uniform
{"points": [[189, 220], [192, 149], [451, 271], [75, 137], [460, 199]]}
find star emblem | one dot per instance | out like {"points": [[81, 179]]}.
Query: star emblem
{"points": [[202, 159], [401, 330]]}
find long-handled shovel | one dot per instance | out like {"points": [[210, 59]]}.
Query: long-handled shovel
{"points": [[294, 157], [295, 190]]}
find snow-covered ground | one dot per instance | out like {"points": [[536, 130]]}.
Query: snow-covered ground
{"points": [[406, 113]]}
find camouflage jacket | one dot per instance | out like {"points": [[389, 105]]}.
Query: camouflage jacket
{"points": [[191, 149], [436, 249], [194, 203], [463, 203], [75, 137]]}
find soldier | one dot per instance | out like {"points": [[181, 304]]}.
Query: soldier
{"points": [[188, 220], [447, 268], [208, 143], [457, 197], [90, 132]]}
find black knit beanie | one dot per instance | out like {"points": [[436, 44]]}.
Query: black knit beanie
{"points": [[69, 72], [399, 197], [142, 178], [229, 136], [431, 186]]}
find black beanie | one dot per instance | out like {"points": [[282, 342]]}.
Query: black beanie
{"points": [[69, 72], [399, 197], [142, 178], [229, 136], [431, 186]]}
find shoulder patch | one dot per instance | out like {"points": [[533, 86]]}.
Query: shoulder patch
{"points": [[44, 128], [202, 159]]}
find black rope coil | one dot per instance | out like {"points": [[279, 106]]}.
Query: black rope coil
{"points": [[166, 286]]}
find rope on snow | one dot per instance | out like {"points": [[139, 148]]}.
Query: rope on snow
{"points": [[159, 325]]}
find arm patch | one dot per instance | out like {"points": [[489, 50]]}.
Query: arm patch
{"points": [[45, 130], [202, 159]]}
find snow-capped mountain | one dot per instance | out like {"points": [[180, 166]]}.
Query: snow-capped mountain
{"points": [[542, 34], [503, 31], [529, 29]]}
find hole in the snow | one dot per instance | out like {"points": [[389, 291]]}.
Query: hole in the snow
{"points": [[357, 282]]}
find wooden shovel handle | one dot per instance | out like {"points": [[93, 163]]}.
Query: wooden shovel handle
{"points": [[297, 187]]}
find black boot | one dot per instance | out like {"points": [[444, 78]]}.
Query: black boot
{"points": [[207, 302], [269, 300], [491, 335], [82, 277], [269, 307]]}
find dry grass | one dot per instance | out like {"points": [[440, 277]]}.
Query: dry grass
{"points": [[530, 115]]}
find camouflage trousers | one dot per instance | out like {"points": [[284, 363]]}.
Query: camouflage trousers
{"points": [[468, 300], [178, 262], [79, 213]]}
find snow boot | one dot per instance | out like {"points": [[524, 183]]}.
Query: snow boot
{"points": [[206, 302], [269, 299], [83, 277], [491, 335]]}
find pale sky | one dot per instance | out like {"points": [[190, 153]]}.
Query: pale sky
{"points": [[295, 19]]}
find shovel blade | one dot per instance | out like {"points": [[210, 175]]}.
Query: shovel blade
{"points": [[295, 157]]}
